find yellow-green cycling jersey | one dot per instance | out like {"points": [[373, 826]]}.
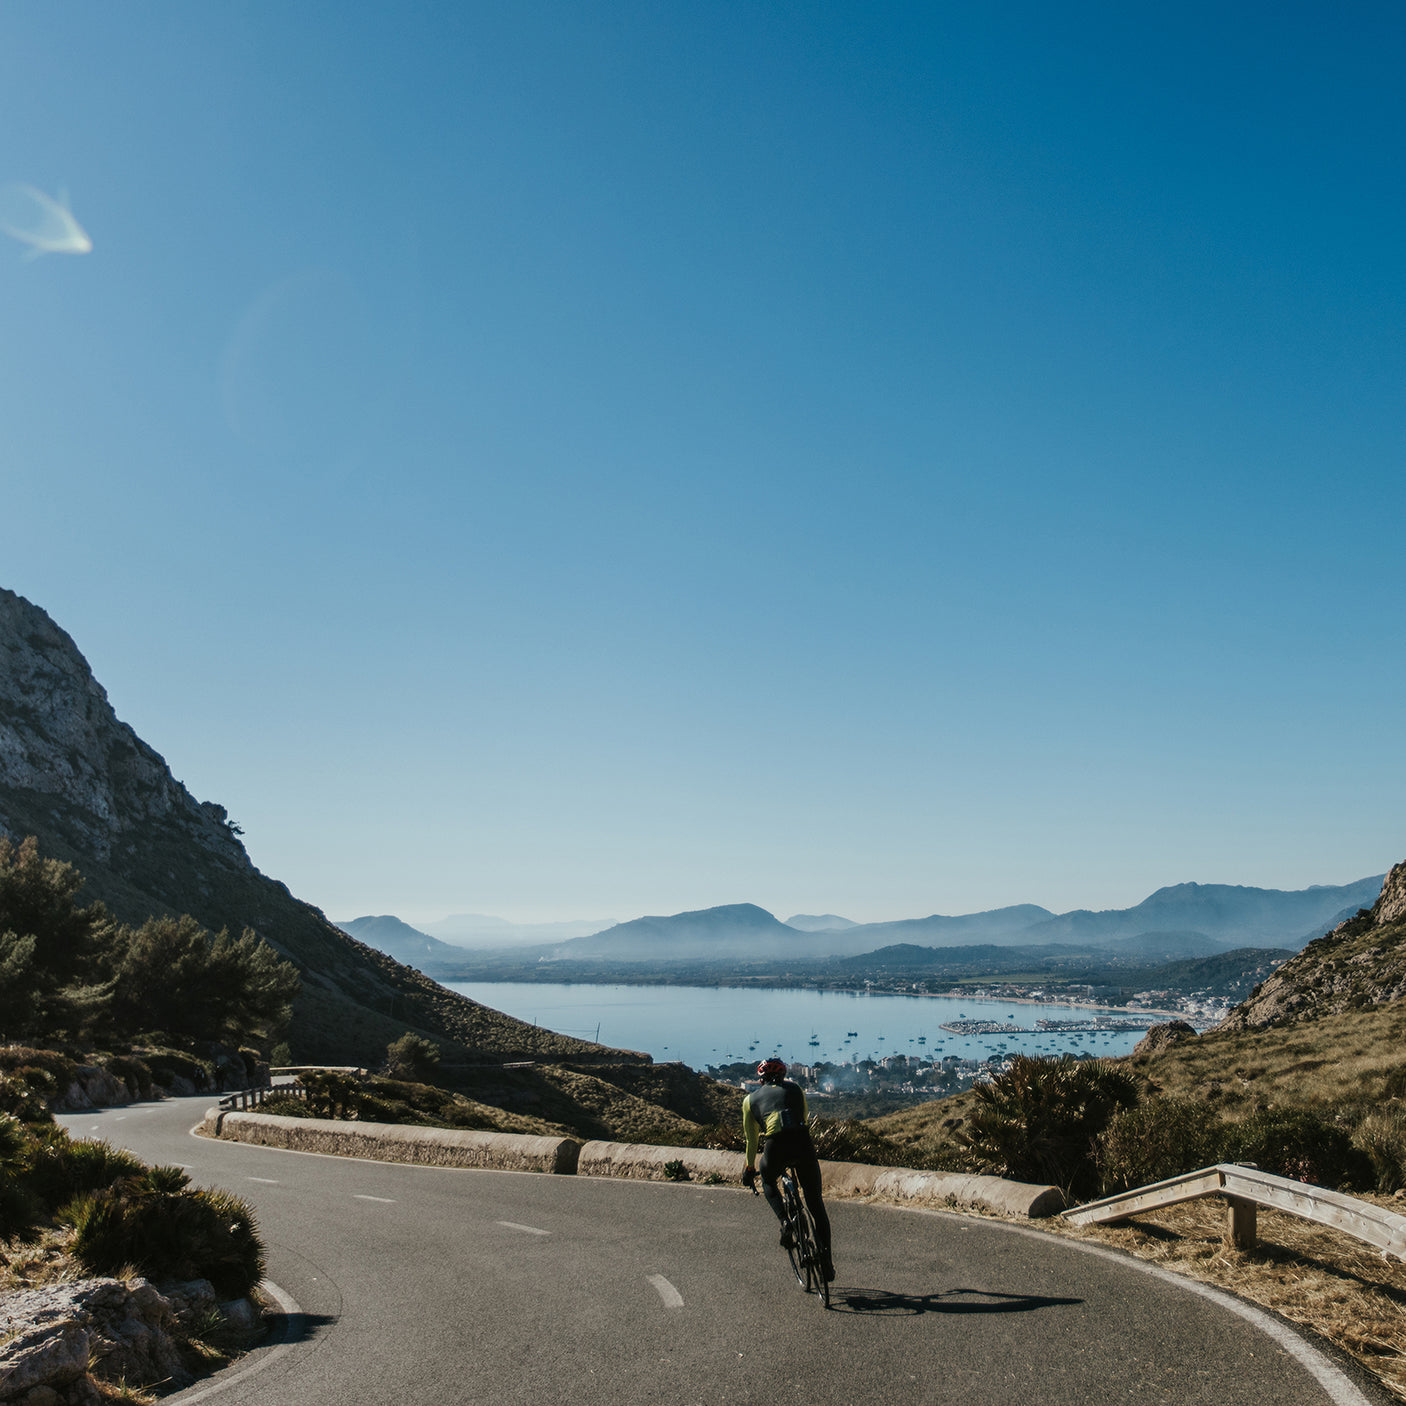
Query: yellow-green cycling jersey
{"points": [[769, 1110]]}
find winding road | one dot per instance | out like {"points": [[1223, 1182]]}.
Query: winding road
{"points": [[421, 1284]]}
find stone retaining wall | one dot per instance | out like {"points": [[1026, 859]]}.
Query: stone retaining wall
{"points": [[447, 1147], [398, 1142]]}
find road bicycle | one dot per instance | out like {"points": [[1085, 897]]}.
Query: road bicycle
{"points": [[807, 1262]]}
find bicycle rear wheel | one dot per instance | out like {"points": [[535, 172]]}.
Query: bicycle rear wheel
{"points": [[809, 1243], [795, 1212]]}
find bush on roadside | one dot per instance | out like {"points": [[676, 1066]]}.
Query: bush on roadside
{"points": [[1382, 1136], [26, 1093], [135, 1073], [286, 1106], [156, 1223], [1297, 1143], [60, 1167], [1040, 1119], [1155, 1140], [20, 1208]]}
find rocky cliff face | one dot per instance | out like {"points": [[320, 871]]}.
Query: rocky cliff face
{"points": [[62, 747], [94, 794], [1362, 962]]}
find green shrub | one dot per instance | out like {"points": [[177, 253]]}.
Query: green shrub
{"points": [[26, 1094], [1038, 1121], [286, 1106], [1293, 1142], [133, 1072], [412, 1057], [676, 1171], [331, 1095], [20, 1209], [168, 1065], [1153, 1141], [1382, 1136], [157, 1224], [60, 1168]]}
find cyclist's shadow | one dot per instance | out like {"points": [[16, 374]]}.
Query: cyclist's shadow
{"points": [[883, 1301]]}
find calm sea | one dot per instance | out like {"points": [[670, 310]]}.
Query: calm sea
{"points": [[703, 1025]]}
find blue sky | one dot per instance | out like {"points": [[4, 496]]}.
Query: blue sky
{"points": [[559, 460]]}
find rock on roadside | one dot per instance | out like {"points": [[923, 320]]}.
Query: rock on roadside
{"points": [[55, 1340]]}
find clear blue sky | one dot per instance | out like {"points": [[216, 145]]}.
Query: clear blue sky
{"points": [[568, 460]]}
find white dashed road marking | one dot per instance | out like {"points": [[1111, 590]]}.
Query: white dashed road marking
{"points": [[266, 1181], [671, 1296], [385, 1200], [530, 1229]]}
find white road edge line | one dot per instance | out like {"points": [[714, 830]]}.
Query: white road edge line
{"points": [[671, 1296], [1337, 1385], [530, 1229], [264, 1181], [290, 1312], [385, 1200]]}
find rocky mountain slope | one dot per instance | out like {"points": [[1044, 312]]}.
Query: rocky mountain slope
{"points": [[1361, 963], [94, 794]]}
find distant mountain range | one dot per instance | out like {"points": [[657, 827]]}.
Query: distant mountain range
{"points": [[1179, 922], [484, 930]]}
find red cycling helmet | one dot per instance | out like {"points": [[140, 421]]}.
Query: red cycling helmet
{"points": [[772, 1068]]}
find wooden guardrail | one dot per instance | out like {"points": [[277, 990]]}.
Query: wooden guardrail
{"points": [[243, 1099], [1244, 1189]]}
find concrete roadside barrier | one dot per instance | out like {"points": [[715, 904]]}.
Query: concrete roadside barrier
{"points": [[1015, 1198], [398, 1142], [451, 1147], [644, 1162]]}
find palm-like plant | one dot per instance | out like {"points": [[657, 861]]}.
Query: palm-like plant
{"points": [[1038, 1120]]}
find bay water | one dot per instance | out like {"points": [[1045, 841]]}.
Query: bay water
{"points": [[712, 1025]]}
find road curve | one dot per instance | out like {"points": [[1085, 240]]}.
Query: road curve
{"points": [[452, 1286]]}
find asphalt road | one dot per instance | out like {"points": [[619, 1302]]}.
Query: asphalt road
{"points": [[430, 1285]]}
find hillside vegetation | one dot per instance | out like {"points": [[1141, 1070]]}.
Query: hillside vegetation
{"points": [[1306, 1077]]}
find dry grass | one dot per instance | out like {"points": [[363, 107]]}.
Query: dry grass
{"points": [[1337, 1059], [36, 1264], [1337, 1287]]}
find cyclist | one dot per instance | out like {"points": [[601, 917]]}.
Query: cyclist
{"points": [[777, 1111]]}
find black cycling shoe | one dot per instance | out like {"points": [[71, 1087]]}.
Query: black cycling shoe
{"points": [[788, 1238], [827, 1268]]}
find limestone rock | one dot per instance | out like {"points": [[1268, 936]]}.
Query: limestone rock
{"points": [[1391, 906], [1362, 962], [189, 1298], [55, 1337], [1161, 1037], [60, 740]]}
